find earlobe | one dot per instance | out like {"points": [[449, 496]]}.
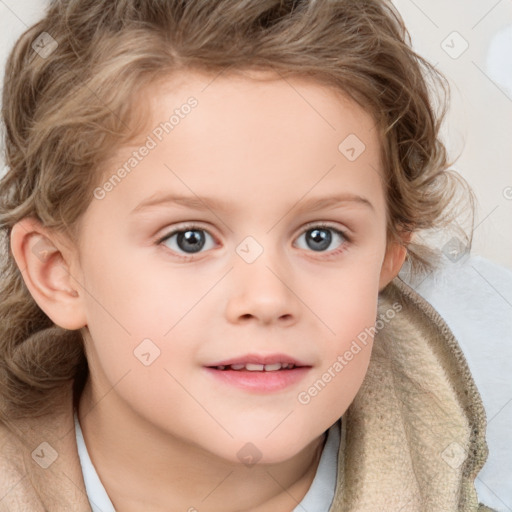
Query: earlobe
{"points": [[46, 273]]}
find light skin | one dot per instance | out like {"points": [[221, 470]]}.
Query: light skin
{"points": [[167, 436]]}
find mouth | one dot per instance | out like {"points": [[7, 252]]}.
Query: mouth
{"points": [[255, 367], [259, 363], [261, 374]]}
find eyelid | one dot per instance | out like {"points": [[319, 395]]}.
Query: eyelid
{"points": [[326, 224], [198, 224], [190, 225]]}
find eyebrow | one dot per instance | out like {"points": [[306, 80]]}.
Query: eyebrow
{"points": [[210, 203]]}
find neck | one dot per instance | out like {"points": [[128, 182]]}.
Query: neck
{"points": [[143, 468]]}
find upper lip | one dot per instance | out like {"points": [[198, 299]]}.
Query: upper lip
{"points": [[260, 359]]}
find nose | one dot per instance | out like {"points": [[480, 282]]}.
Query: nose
{"points": [[263, 292]]}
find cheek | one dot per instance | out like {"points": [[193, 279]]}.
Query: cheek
{"points": [[346, 299], [119, 309], [348, 308], [134, 309], [330, 390], [136, 342]]}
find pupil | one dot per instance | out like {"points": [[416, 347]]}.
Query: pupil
{"points": [[320, 238], [191, 240]]}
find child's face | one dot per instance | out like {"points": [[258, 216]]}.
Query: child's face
{"points": [[261, 284]]}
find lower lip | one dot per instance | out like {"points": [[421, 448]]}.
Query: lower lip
{"points": [[262, 382]]}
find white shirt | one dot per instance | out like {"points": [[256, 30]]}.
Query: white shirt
{"points": [[318, 498]]}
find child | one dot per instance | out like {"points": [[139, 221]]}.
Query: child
{"points": [[279, 365]]}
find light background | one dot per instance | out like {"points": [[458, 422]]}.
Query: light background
{"points": [[479, 123]]}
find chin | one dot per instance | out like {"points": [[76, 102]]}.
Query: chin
{"points": [[263, 451]]}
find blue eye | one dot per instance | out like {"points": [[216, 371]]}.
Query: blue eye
{"points": [[319, 238], [190, 240]]}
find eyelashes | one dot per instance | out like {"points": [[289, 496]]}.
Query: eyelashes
{"points": [[190, 240]]}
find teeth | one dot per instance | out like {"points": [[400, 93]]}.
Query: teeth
{"points": [[253, 367]]}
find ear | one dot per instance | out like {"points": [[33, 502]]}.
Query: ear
{"points": [[45, 263], [394, 258]]}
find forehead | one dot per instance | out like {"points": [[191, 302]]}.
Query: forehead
{"points": [[249, 133], [259, 97]]}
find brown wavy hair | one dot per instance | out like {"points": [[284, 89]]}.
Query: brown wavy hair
{"points": [[64, 113]]}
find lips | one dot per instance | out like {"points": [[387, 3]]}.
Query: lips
{"points": [[259, 374]]}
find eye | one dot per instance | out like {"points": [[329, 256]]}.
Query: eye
{"points": [[320, 238], [189, 240]]}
